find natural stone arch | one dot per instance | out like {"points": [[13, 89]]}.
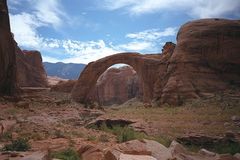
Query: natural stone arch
{"points": [[144, 66]]}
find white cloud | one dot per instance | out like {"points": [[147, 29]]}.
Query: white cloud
{"points": [[79, 51], [50, 12], [50, 59], [195, 8], [24, 26], [43, 13], [136, 46], [153, 34]]}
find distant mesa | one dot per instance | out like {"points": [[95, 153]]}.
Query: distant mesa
{"points": [[64, 70]]}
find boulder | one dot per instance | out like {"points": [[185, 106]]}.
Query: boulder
{"points": [[138, 149], [39, 155], [89, 152]]}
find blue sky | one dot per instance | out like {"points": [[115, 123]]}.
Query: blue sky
{"points": [[81, 31]]}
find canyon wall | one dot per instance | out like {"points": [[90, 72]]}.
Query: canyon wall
{"points": [[8, 85]]}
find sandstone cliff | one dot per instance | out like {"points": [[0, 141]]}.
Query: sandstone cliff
{"points": [[7, 54], [30, 70], [206, 61]]}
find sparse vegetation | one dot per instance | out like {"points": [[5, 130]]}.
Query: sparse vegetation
{"points": [[67, 154], [59, 134], [123, 134], [7, 136], [163, 140], [103, 138], [21, 144], [222, 148], [91, 138]]}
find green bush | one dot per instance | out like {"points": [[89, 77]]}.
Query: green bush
{"points": [[21, 144], [123, 134], [67, 154], [91, 138]]}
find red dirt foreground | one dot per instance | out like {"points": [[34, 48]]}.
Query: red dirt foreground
{"points": [[205, 61]]}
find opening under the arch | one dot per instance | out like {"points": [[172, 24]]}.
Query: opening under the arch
{"points": [[118, 84]]}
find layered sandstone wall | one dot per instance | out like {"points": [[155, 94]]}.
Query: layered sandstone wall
{"points": [[8, 84], [30, 70], [206, 61]]}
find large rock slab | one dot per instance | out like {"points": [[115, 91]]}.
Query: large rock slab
{"points": [[138, 149]]}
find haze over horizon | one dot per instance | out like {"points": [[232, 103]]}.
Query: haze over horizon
{"points": [[83, 31]]}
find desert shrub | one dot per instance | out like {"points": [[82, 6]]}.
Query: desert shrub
{"points": [[7, 136], [163, 140], [91, 138], [218, 147], [231, 148], [59, 134], [123, 134], [67, 154], [21, 144], [103, 138], [126, 134]]}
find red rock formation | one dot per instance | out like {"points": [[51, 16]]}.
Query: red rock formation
{"points": [[116, 86], [7, 54], [30, 70], [206, 61], [144, 66]]}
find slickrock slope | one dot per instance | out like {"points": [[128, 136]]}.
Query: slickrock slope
{"points": [[116, 86], [30, 70], [204, 62], [7, 54]]}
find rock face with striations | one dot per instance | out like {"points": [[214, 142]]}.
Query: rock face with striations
{"points": [[204, 62], [7, 54], [116, 86], [30, 70]]}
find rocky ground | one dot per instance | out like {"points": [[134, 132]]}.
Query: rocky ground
{"points": [[51, 122]]}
